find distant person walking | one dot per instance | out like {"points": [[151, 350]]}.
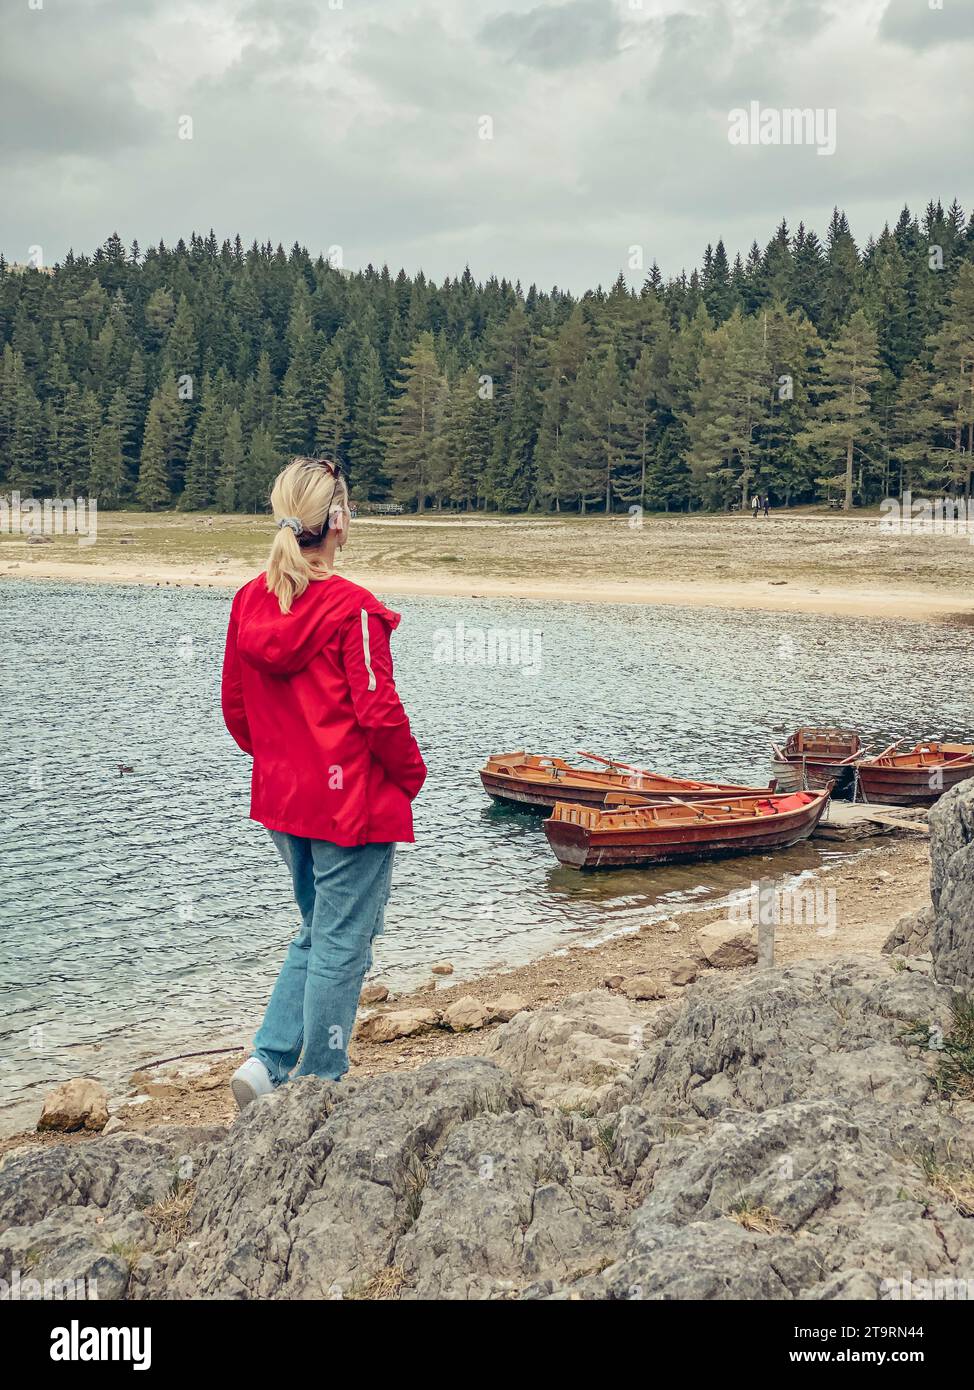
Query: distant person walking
{"points": [[754, 506], [308, 692], [766, 504]]}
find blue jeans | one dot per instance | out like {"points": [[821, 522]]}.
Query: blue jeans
{"points": [[341, 894]]}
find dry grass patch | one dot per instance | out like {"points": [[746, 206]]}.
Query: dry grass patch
{"points": [[385, 1284], [170, 1216], [952, 1181], [753, 1217]]}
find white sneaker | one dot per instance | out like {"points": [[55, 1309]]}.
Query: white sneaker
{"points": [[250, 1081]]}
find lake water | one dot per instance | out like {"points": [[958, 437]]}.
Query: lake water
{"points": [[143, 914]]}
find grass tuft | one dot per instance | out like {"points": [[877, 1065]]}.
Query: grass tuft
{"points": [[949, 1180], [753, 1217]]}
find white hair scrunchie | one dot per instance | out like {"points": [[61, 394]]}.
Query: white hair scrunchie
{"points": [[292, 521]]}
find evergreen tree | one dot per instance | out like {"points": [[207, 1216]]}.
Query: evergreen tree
{"points": [[841, 421], [107, 481], [261, 465], [366, 450], [231, 463], [614, 398], [953, 391], [409, 432], [730, 406], [333, 421], [153, 486]]}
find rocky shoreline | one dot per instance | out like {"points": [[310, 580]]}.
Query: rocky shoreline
{"points": [[799, 1132], [871, 890]]}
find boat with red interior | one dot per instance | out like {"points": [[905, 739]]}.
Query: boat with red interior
{"points": [[631, 835], [916, 776], [532, 782]]}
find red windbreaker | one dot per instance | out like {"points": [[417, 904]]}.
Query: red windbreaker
{"points": [[310, 696]]}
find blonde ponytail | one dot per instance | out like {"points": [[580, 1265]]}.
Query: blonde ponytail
{"points": [[308, 498]]}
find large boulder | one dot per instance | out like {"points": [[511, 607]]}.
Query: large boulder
{"points": [[506, 1005], [951, 823], [728, 945], [398, 1023], [465, 1015], [573, 1053], [77, 1104], [913, 934], [75, 1219]]}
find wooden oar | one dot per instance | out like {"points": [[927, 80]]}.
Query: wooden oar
{"points": [[860, 753], [611, 762], [642, 771], [699, 810], [887, 750]]}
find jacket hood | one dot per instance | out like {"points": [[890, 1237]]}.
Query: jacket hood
{"points": [[283, 643]]}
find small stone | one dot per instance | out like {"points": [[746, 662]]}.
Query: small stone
{"points": [[505, 1006], [684, 972], [374, 993], [164, 1090], [551, 984], [613, 981], [671, 927], [114, 1125], [728, 944], [400, 1023], [465, 1014], [212, 1081], [644, 987], [77, 1104], [444, 968]]}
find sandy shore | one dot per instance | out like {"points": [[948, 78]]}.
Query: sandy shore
{"points": [[806, 561], [872, 891]]}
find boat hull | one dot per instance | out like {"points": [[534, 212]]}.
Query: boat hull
{"points": [[816, 775], [577, 846], [909, 786], [820, 756], [532, 794]]}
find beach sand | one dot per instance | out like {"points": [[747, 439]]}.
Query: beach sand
{"points": [[804, 561]]}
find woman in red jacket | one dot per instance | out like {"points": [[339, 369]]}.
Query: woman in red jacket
{"points": [[308, 692]]}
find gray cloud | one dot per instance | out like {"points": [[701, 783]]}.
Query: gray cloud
{"points": [[361, 127], [62, 89], [556, 36], [917, 25]]}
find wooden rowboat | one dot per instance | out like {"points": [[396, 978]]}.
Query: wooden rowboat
{"points": [[821, 756], [917, 776], [536, 783], [583, 837]]}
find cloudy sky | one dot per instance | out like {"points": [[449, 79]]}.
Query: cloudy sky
{"points": [[360, 124]]}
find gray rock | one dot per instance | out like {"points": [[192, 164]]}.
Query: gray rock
{"points": [[765, 1136], [952, 886], [573, 1053], [913, 934], [814, 1029], [313, 1186]]}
